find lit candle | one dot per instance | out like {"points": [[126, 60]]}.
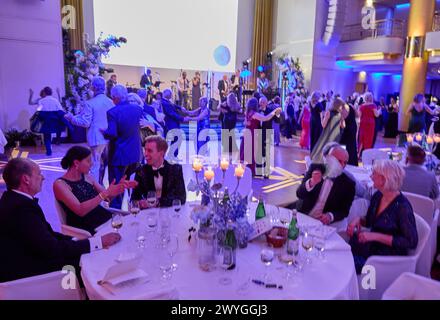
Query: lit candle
{"points": [[419, 137], [224, 164], [410, 138], [429, 140], [239, 171], [209, 174], [437, 138], [197, 165]]}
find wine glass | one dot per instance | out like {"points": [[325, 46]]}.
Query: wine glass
{"points": [[285, 217], [267, 256], [307, 244], [177, 205], [173, 247], [117, 222], [225, 261], [274, 212], [152, 220], [140, 238], [134, 208], [319, 242], [152, 199]]}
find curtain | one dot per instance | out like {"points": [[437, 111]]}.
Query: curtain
{"points": [[262, 41], [76, 35]]}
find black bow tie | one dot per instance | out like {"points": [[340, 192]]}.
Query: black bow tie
{"points": [[159, 171]]}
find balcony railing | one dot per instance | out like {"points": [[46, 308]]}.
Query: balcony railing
{"points": [[436, 23], [382, 28]]}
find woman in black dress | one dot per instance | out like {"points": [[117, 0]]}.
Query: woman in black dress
{"points": [[391, 126], [348, 138], [80, 195], [316, 119]]}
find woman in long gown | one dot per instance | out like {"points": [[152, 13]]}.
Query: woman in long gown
{"points": [[251, 154], [315, 119], [304, 119], [368, 113], [392, 123], [333, 123], [196, 91], [348, 137], [418, 110], [202, 116]]}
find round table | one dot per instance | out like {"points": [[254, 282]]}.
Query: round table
{"points": [[333, 277]]}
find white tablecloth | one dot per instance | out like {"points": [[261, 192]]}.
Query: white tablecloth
{"points": [[332, 278]]}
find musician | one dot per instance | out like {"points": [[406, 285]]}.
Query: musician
{"points": [[183, 87], [147, 83], [110, 84], [223, 88], [237, 84], [262, 83]]}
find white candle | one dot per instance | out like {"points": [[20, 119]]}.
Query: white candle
{"points": [[224, 164], [197, 165], [209, 174], [239, 172]]}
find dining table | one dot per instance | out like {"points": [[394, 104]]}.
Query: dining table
{"points": [[328, 276]]}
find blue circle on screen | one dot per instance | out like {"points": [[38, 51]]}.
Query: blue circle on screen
{"points": [[222, 55]]}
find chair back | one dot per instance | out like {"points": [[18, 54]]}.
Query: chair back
{"points": [[42, 287], [410, 286], [60, 211], [424, 206], [369, 155]]}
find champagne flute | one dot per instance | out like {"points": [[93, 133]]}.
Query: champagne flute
{"points": [[267, 256], [152, 220], [117, 222], [173, 247], [224, 262], [151, 199], [177, 205], [134, 208]]}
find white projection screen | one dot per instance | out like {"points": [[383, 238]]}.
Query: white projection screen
{"points": [[173, 34]]}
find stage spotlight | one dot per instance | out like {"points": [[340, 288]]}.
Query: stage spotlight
{"points": [[260, 69], [269, 55]]}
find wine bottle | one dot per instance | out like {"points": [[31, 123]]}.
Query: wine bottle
{"points": [[261, 212], [231, 242], [293, 235]]}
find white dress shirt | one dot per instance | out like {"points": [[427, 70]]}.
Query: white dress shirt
{"points": [[318, 209], [95, 242], [158, 182], [49, 103]]}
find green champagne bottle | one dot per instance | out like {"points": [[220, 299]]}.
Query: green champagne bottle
{"points": [[261, 212], [293, 235], [231, 242]]}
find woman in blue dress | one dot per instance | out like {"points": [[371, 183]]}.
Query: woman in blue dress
{"points": [[390, 218], [417, 110], [202, 115]]}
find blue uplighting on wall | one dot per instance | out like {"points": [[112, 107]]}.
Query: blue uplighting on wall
{"points": [[343, 65], [403, 6]]}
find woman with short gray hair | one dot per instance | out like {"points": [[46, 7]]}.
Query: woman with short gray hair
{"points": [[390, 218]]}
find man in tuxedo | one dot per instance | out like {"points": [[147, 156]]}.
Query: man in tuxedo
{"points": [[110, 84], [159, 175], [94, 117], [183, 87], [326, 192], [237, 84], [147, 83], [223, 88], [28, 244], [123, 132], [173, 116]]}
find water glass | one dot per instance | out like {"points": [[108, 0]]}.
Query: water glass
{"points": [[224, 262], [307, 244], [165, 264], [266, 257], [152, 220], [173, 248], [140, 238], [319, 244]]}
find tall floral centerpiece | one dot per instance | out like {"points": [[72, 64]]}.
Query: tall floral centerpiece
{"points": [[428, 143], [81, 67], [219, 209]]}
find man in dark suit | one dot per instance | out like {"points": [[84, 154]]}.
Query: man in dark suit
{"points": [[159, 176], [124, 134], [173, 118], [328, 198], [28, 244], [223, 88]]}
